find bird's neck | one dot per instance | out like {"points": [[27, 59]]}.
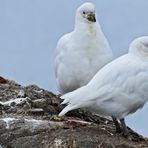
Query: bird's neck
{"points": [[142, 53], [91, 31], [85, 27]]}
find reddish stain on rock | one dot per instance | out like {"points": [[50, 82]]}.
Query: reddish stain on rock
{"points": [[3, 80]]}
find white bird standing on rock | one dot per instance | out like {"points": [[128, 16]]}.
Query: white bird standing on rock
{"points": [[118, 89], [81, 53]]}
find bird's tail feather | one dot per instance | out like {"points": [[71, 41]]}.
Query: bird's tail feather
{"points": [[67, 97], [74, 100], [73, 97], [67, 109]]}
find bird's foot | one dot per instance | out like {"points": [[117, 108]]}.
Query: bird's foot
{"points": [[117, 125], [119, 130]]}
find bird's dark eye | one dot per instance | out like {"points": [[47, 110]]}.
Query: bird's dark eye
{"points": [[84, 12]]}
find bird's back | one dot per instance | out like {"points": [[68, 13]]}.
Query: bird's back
{"points": [[120, 88]]}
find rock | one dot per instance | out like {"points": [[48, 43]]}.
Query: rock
{"points": [[3, 80], [39, 103], [36, 111], [28, 118]]}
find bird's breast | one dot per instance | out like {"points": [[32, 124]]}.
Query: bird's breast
{"points": [[92, 31]]}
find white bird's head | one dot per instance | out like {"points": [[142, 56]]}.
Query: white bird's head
{"points": [[86, 13], [140, 46]]}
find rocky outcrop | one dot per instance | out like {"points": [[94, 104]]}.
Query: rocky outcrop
{"points": [[28, 119]]}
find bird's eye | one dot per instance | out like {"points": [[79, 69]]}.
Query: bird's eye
{"points": [[84, 12]]}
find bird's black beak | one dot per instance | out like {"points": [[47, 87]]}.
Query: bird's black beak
{"points": [[91, 17]]}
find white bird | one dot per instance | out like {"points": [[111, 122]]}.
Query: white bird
{"points": [[81, 53], [118, 89]]}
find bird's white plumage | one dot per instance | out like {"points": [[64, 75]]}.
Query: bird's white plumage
{"points": [[119, 88], [81, 53]]}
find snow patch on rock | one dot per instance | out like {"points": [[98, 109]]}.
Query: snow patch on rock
{"points": [[17, 101], [32, 122], [8, 121]]}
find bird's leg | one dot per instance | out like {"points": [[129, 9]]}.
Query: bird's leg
{"points": [[125, 131], [118, 128], [130, 134]]}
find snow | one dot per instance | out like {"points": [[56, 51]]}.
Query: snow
{"points": [[17, 101], [33, 122], [7, 121], [21, 93]]}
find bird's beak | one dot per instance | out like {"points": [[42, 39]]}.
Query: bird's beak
{"points": [[91, 17]]}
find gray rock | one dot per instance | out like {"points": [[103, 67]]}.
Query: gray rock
{"points": [[32, 122], [36, 111]]}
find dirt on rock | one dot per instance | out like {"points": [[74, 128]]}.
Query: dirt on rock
{"points": [[28, 119]]}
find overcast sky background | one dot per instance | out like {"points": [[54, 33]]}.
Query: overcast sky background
{"points": [[30, 29]]}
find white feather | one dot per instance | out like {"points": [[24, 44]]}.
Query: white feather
{"points": [[119, 88], [81, 53]]}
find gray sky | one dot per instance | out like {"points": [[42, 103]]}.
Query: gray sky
{"points": [[30, 29]]}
